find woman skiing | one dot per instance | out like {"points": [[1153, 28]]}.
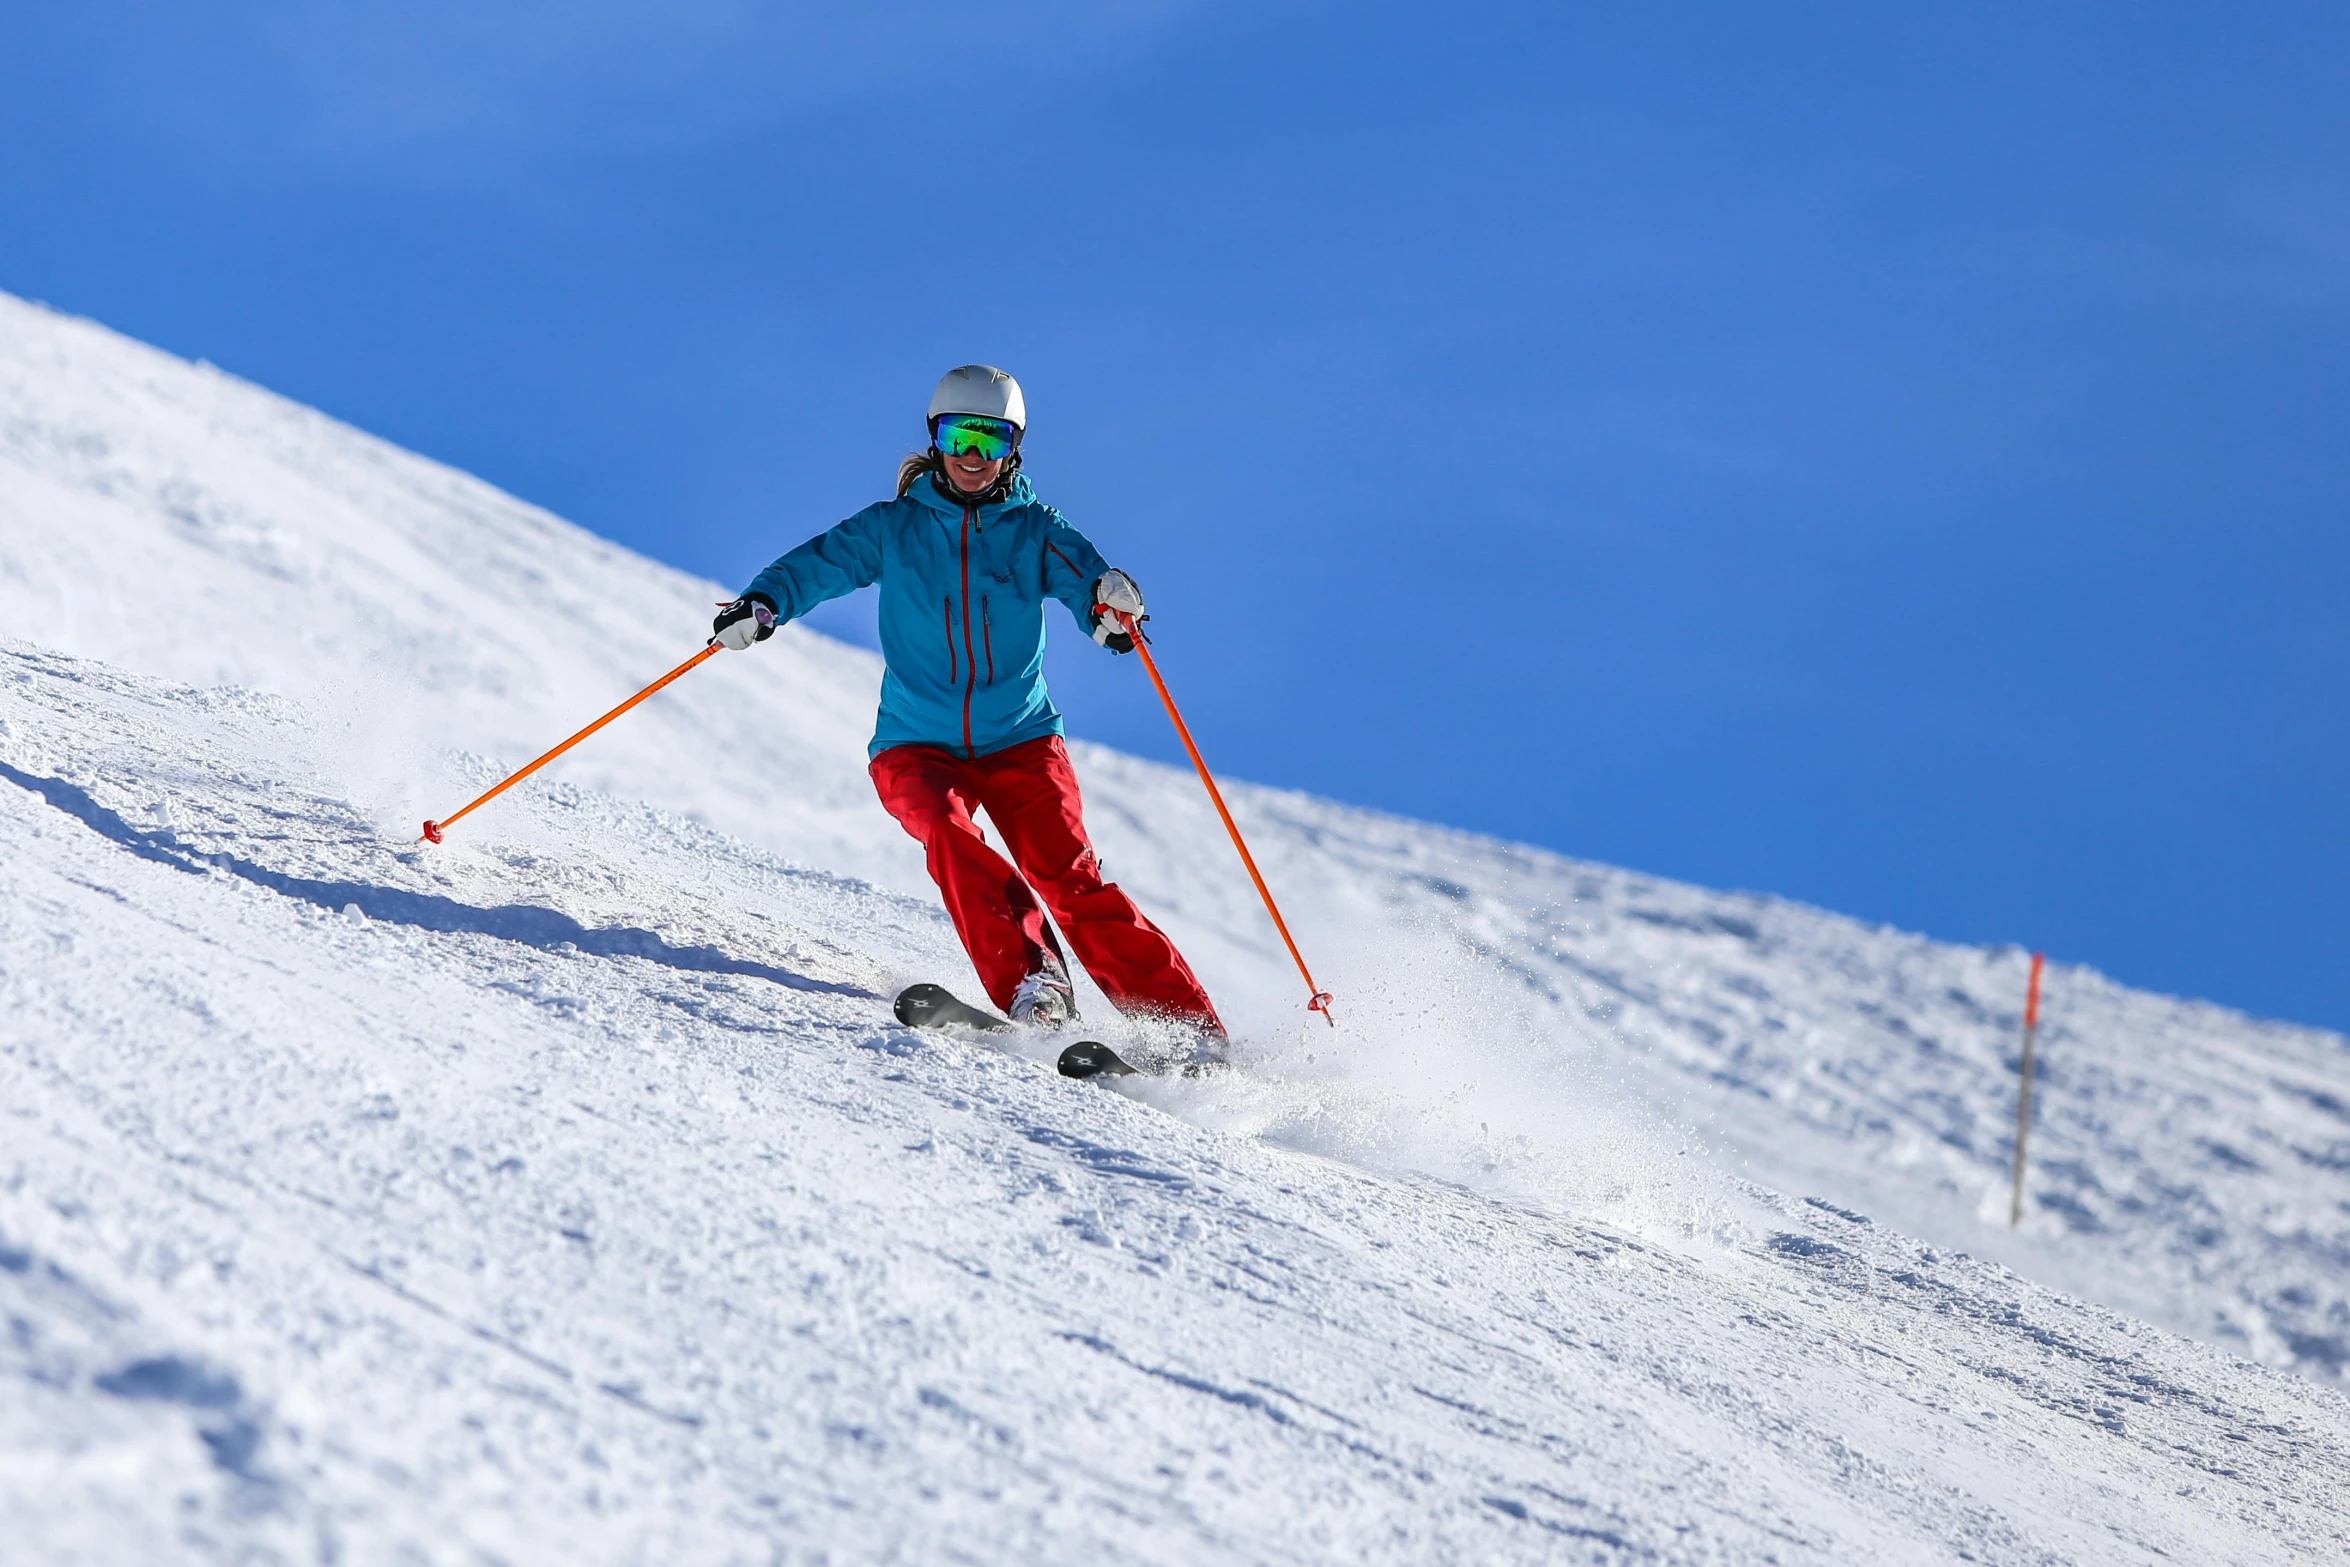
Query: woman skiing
{"points": [[966, 556]]}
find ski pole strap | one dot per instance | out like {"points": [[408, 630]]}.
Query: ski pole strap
{"points": [[1320, 1001], [434, 829]]}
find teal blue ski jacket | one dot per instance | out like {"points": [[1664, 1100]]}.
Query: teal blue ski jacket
{"points": [[962, 609]]}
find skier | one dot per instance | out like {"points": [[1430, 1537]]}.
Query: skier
{"points": [[966, 555]]}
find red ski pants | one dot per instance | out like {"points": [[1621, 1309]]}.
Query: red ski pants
{"points": [[1030, 792]]}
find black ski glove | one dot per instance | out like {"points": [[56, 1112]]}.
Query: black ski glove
{"points": [[752, 619]]}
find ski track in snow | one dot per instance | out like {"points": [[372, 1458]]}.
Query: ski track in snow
{"points": [[567, 1192]]}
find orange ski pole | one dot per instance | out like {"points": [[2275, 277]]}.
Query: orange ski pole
{"points": [[1320, 1001], [433, 830]]}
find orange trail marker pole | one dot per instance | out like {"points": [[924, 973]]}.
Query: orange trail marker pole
{"points": [[2023, 1101], [433, 830], [1320, 1001]]}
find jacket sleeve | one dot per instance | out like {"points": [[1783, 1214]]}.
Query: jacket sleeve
{"points": [[1071, 567], [841, 559]]}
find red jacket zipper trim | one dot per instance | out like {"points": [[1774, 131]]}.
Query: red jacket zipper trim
{"points": [[970, 664]]}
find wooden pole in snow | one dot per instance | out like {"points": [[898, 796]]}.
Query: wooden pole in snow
{"points": [[2023, 1100]]}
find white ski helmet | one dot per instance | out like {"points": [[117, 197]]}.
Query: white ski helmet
{"points": [[979, 389]]}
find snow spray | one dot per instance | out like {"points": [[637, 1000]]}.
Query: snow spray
{"points": [[1448, 1067]]}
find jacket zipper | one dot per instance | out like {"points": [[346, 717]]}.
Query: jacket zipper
{"points": [[970, 664]]}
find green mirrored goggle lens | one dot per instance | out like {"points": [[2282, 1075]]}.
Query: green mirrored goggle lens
{"points": [[990, 440]]}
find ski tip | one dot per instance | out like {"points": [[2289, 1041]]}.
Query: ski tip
{"points": [[917, 1004], [432, 832], [1091, 1058], [935, 1006]]}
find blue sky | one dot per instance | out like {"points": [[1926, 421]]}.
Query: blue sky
{"points": [[1892, 458]]}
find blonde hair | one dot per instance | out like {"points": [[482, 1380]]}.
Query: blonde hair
{"points": [[914, 467]]}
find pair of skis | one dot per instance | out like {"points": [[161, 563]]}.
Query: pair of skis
{"points": [[936, 1007]]}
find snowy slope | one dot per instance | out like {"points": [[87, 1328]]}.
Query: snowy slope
{"points": [[2194, 1165], [603, 1089], [573, 1198], [173, 519]]}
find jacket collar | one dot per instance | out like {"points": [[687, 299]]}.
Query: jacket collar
{"points": [[1018, 494]]}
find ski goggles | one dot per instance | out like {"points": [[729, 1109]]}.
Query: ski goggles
{"points": [[975, 435]]}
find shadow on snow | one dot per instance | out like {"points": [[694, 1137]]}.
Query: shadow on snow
{"points": [[526, 923]]}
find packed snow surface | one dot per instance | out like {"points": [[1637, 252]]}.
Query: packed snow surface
{"points": [[567, 1192]]}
